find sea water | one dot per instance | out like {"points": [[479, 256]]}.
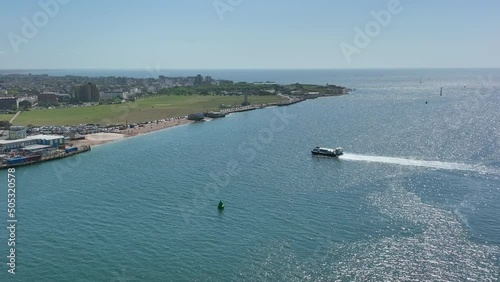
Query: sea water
{"points": [[416, 195]]}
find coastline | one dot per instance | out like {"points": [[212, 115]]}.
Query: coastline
{"points": [[101, 138], [107, 137]]}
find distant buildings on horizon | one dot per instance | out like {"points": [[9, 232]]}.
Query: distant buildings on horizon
{"points": [[45, 91]]}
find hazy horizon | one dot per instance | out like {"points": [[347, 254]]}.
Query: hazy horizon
{"points": [[242, 68]]}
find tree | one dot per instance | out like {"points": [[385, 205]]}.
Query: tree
{"points": [[44, 104], [4, 124], [25, 105]]}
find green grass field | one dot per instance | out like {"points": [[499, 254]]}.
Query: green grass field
{"points": [[143, 110]]}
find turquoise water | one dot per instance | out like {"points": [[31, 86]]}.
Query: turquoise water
{"points": [[416, 197]]}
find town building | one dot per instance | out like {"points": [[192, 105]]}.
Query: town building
{"points": [[8, 103], [86, 93], [26, 97], [208, 80], [63, 98], [198, 80], [127, 95], [152, 89], [47, 98], [111, 95], [135, 90]]}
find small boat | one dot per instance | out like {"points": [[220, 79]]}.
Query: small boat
{"points": [[328, 152], [441, 92]]}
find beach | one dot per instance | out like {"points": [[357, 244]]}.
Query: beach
{"points": [[154, 126], [97, 139], [106, 137]]}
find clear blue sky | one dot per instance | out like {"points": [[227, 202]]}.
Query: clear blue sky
{"points": [[255, 34]]}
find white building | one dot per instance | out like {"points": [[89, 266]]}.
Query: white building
{"points": [[46, 140], [135, 90], [168, 83], [127, 95], [152, 88], [111, 95]]}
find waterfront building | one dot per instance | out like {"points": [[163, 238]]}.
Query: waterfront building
{"points": [[7, 145], [51, 140], [47, 141], [196, 116], [17, 132]]}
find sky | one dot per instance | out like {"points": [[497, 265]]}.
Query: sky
{"points": [[248, 34]]}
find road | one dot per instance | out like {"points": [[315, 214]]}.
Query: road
{"points": [[14, 117]]}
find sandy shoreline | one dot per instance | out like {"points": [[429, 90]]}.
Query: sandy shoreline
{"points": [[97, 139], [106, 137]]}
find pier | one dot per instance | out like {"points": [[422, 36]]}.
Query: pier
{"points": [[50, 157]]}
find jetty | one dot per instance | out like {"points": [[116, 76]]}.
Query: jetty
{"points": [[290, 101], [17, 161]]}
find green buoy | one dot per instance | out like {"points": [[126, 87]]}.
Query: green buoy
{"points": [[221, 205]]}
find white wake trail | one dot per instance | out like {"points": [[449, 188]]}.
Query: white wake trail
{"points": [[420, 163]]}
